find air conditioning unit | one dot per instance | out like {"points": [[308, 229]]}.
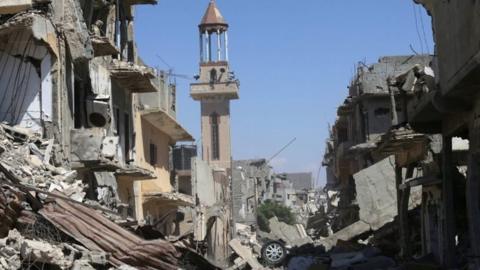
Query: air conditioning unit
{"points": [[98, 111]]}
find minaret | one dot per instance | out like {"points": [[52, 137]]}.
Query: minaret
{"points": [[215, 87]]}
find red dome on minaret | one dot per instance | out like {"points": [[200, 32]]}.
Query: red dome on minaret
{"points": [[213, 19]]}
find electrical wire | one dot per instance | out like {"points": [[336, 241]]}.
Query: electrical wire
{"points": [[417, 28], [423, 29]]}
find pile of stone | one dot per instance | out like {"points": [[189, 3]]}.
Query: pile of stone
{"points": [[47, 223]]}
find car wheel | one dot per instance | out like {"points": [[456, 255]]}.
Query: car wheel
{"points": [[273, 253]]}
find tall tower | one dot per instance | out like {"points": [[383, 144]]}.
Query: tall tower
{"points": [[215, 87]]}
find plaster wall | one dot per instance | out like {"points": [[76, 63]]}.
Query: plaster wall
{"points": [[222, 108], [146, 134]]}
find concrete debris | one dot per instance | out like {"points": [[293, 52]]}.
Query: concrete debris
{"points": [[15, 251], [376, 194], [25, 172], [292, 235], [245, 253]]}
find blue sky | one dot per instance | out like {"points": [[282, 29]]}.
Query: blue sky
{"points": [[294, 60]]}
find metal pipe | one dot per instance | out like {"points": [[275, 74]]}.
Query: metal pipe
{"points": [[201, 48], [210, 48], [207, 41], [226, 45], [219, 46], [393, 104]]}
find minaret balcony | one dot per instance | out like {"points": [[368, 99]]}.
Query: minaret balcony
{"points": [[227, 90]]}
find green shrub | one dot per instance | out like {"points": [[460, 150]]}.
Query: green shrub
{"points": [[269, 209]]}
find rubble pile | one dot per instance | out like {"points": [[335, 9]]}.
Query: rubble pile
{"points": [[45, 221]]}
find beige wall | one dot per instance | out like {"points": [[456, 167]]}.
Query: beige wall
{"points": [[146, 134], [222, 108], [126, 193], [133, 192]]}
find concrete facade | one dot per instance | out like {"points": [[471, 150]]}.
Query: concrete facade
{"points": [[215, 87]]}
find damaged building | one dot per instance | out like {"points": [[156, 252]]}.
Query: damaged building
{"points": [[89, 143], [416, 176], [362, 119]]}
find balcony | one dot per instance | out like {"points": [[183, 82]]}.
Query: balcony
{"points": [[163, 100], [135, 78], [102, 46], [15, 6], [92, 149], [227, 90], [166, 124], [40, 27]]}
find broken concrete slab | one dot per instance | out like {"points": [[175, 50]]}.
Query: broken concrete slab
{"points": [[76, 32], [245, 253], [377, 194], [345, 234], [43, 252], [86, 144], [102, 46], [15, 6], [292, 235]]}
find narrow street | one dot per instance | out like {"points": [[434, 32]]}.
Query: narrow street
{"points": [[237, 135]]}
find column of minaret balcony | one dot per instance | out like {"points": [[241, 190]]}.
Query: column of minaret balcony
{"points": [[207, 47]]}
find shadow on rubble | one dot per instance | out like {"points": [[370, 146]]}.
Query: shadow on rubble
{"points": [[350, 256]]}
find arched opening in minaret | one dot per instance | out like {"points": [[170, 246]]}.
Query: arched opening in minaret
{"points": [[213, 75], [214, 121], [213, 46]]}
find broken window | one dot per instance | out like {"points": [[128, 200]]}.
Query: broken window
{"points": [[215, 136], [153, 154], [381, 112]]}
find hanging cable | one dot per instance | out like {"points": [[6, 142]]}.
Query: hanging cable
{"points": [[423, 29], [417, 28]]}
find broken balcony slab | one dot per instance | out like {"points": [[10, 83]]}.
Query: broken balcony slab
{"points": [[102, 46], [167, 124], [407, 145], [93, 150], [169, 199], [15, 6], [377, 194], [87, 144], [135, 172], [133, 77], [40, 27]]}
